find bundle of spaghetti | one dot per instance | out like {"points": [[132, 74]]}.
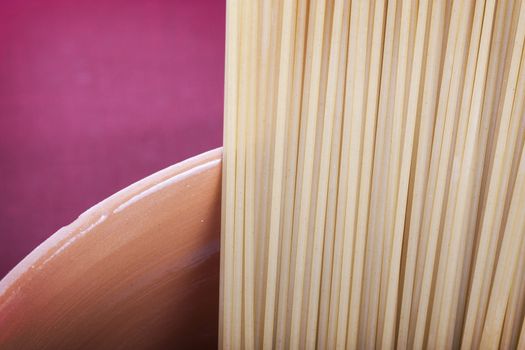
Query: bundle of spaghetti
{"points": [[373, 175]]}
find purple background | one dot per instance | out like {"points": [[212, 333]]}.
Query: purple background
{"points": [[95, 95]]}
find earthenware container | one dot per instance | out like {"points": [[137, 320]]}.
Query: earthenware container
{"points": [[139, 270]]}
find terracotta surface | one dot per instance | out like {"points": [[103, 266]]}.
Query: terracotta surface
{"points": [[138, 271]]}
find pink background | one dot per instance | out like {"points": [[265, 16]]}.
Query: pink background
{"points": [[95, 95]]}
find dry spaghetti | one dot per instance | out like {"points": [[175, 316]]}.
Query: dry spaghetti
{"points": [[373, 175]]}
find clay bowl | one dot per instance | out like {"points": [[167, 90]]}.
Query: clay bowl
{"points": [[139, 270]]}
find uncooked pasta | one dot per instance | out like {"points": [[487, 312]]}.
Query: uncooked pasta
{"points": [[373, 175]]}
